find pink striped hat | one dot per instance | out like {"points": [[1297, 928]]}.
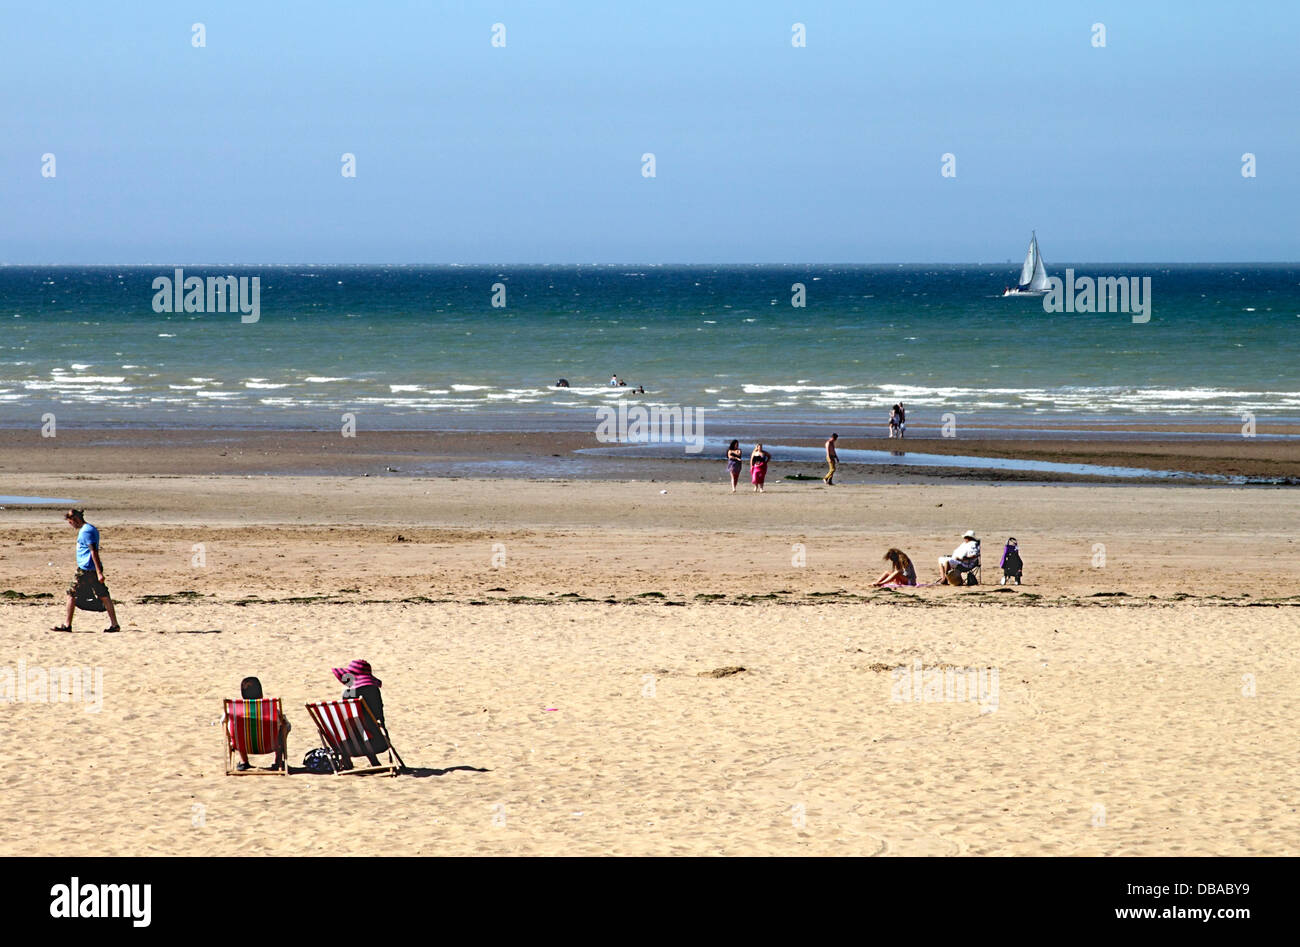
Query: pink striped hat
{"points": [[357, 674]]}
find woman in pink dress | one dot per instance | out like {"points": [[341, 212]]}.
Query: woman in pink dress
{"points": [[758, 461]]}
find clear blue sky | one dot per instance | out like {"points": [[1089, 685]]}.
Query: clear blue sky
{"points": [[765, 153]]}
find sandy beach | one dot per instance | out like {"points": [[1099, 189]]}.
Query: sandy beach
{"points": [[559, 663]]}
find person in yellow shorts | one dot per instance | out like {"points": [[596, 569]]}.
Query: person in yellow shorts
{"points": [[832, 461]]}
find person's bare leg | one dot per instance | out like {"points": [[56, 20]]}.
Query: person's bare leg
{"points": [[72, 608], [108, 607]]}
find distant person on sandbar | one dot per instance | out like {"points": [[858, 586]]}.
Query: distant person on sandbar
{"points": [[893, 421], [735, 460], [832, 461], [900, 571], [902, 420], [758, 462], [88, 584]]}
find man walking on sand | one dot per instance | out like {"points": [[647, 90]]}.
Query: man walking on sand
{"points": [[832, 461], [89, 580]]}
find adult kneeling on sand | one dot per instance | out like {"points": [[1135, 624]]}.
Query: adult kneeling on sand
{"points": [[964, 558]]}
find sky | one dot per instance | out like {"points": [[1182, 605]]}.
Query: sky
{"points": [[532, 152]]}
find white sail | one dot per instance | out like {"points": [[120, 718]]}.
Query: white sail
{"points": [[1027, 271], [1033, 275], [1039, 282]]}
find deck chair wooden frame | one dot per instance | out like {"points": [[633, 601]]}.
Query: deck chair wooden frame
{"points": [[343, 725], [256, 741]]}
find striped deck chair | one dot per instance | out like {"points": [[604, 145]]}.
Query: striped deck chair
{"points": [[258, 727], [350, 729]]}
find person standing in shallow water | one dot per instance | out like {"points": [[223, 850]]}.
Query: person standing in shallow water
{"points": [[89, 580], [758, 462], [735, 461]]}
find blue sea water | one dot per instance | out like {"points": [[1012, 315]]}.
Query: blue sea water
{"points": [[422, 347]]}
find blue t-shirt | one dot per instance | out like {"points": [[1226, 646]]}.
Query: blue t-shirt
{"points": [[87, 536]]}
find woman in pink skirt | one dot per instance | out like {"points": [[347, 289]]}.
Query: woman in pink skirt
{"points": [[758, 461]]}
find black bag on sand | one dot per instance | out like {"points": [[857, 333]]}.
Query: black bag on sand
{"points": [[319, 760]]}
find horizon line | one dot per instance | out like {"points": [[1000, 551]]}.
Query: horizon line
{"points": [[1008, 262]]}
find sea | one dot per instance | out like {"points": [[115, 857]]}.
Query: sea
{"points": [[452, 348]]}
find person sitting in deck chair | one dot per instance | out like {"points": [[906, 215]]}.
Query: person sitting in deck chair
{"points": [[359, 682], [250, 688], [952, 569]]}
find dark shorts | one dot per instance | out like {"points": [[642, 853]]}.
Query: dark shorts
{"points": [[85, 585]]}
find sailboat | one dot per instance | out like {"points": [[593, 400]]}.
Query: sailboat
{"points": [[1033, 277]]}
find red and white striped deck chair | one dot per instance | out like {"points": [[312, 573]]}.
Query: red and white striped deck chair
{"points": [[256, 727], [349, 729]]}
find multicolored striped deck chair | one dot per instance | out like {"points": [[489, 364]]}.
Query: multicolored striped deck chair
{"points": [[350, 729], [257, 727]]}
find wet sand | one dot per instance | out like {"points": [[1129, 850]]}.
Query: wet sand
{"points": [[551, 455]]}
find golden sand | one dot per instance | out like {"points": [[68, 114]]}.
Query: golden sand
{"points": [[560, 668]]}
